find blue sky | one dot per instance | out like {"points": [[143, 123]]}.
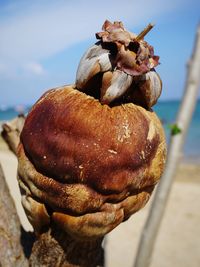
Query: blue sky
{"points": [[42, 41]]}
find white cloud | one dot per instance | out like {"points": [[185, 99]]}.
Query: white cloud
{"points": [[37, 31], [34, 68]]}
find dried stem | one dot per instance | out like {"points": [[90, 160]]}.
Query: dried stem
{"points": [[144, 32], [57, 248]]}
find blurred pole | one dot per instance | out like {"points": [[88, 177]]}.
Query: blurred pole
{"points": [[151, 228]]}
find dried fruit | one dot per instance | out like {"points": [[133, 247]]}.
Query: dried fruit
{"points": [[88, 164], [120, 59]]}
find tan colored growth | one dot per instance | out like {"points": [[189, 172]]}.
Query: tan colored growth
{"points": [[91, 173]]}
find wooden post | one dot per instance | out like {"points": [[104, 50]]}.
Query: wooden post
{"points": [[151, 228]]}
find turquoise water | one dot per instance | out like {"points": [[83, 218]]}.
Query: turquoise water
{"points": [[166, 110]]}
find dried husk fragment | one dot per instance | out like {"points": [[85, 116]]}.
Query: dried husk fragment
{"points": [[127, 57]]}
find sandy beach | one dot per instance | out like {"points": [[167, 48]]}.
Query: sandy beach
{"points": [[178, 242]]}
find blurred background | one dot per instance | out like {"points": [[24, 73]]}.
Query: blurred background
{"points": [[41, 43]]}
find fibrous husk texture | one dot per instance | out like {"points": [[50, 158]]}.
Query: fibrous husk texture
{"points": [[134, 55], [86, 166]]}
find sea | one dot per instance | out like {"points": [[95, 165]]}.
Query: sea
{"points": [[167, 112]]}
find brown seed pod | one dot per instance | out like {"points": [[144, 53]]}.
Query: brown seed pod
{"points": [[87, 166], [115, 62]]}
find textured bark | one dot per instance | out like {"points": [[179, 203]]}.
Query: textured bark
{"points": [[56, 248], [11, 251], [184, 117]]}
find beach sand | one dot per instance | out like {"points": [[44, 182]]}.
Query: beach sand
{"points": [[178, 242]]}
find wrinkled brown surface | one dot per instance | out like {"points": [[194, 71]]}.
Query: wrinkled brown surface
{"points": [[92, 165]]}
